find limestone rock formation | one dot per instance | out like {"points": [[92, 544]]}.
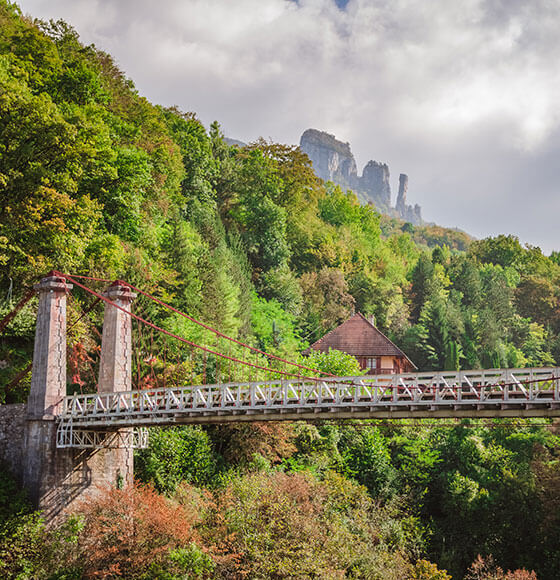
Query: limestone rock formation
{"points": [[401, 196], [333, 161], [409, 213], [375, 181]]}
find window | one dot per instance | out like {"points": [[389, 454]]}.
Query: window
{"points": [[371, 363]]}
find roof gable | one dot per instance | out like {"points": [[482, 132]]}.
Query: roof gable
{"points": [[359, 337]]}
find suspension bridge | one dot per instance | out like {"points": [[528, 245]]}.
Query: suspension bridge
{"points": [[128, 373]]}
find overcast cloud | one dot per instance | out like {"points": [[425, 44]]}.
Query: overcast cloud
{"points": [[463, 96]]}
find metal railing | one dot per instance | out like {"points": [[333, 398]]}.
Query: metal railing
{"points": [[494, 392]]}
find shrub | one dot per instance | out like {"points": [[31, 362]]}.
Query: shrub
{"points": [[486, 569], [127, 532], [424, 570], [176, 454], [282, 525], [28, 549]]}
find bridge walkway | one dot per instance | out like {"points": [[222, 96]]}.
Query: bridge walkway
{"points": [[490, 393]]}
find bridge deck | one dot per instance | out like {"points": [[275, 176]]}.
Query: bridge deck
{"points": [[487, 393]]}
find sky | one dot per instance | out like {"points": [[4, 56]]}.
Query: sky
{"points": [[463, 96]]}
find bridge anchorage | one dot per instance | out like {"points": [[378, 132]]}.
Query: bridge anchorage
{"points": [[74, 444]]}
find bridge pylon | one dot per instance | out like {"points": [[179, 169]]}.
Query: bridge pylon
{"points": [[56, 478]]}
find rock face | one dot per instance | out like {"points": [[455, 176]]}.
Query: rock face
{"points": [[375, 180], [333, 161]]}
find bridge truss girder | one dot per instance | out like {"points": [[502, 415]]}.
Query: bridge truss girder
{"points": [[83, 438]]}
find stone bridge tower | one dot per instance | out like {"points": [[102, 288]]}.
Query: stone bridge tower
{"points": [[60, 478]]}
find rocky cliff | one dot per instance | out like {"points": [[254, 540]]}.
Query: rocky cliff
{"points": [[333, 161], [375, 181]]}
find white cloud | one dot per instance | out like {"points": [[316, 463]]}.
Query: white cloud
{"points": [[462, 96]]}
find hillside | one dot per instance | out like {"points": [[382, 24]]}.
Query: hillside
{"points": [[96, 180]]}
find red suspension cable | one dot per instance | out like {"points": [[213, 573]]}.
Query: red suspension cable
{"points": [[177, 337], [220, 334], [236, 360], [86, 277]]}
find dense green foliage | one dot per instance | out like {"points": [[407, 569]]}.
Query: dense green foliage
{"points": [[95, 179], [360, 501]]}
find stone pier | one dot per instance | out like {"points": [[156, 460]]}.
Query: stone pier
{"points": [[58, 480], [115, 368]]}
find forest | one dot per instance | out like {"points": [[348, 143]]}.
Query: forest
{"points": [[96, 180]]}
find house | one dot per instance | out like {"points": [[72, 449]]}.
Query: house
{"points": [[359, 337]]}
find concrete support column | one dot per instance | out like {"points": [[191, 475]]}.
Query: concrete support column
{"points": [[115, 366]]}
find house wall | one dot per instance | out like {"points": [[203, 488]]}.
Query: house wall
{"points": [[385, 364], [388, 362]]}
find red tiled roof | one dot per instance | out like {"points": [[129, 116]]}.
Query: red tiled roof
{"points": [[359, 337]]}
